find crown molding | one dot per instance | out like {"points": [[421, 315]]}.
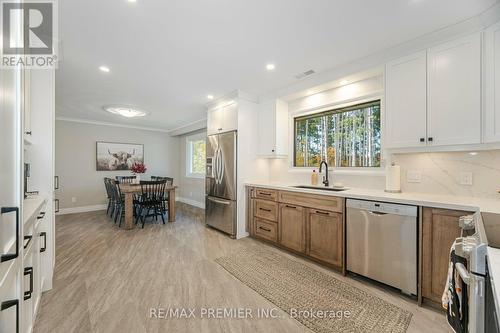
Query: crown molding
{"points": [[189, 128], [104, 123]]}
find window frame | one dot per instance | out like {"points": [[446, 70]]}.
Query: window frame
{"points": [[361, 171], [189, 155]]}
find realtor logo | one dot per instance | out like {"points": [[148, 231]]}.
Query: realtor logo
{"points": [[28, 34]]}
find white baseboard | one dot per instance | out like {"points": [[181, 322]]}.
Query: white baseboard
{"points": [[191, 202], [82, 209]]}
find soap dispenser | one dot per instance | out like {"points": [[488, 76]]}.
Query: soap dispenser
{"points": [[314, 178]]}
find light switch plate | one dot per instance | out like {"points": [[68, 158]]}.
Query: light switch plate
{"points": [[466, 178], [413, 176]]}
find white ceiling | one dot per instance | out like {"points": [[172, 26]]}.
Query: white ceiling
{"points": [[166, 56]]}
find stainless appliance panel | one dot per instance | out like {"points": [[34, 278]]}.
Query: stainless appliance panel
{"points": [[221, 214], [221, 167], [382, 243]]}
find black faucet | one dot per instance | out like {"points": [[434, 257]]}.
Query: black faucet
{"points": [[325, 179]]}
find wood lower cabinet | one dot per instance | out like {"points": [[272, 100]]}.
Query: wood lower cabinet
{"points": [[326, 236], [266, 230], [292, 227], [439, 230]]}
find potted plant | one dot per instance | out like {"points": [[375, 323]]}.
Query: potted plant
{"points": [[137, 169]]}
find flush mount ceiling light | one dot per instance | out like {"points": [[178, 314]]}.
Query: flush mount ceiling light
{"points": [[270, 67], [104, 69], [125, 111]]}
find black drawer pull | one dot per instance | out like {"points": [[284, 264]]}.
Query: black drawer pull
{"points": [[11, 256], [8, 304], [293, 207], [44, 235], [422, 139], [430, 139], [322, 213], [28, 271], [262, 228], [25, 246], [264, 193], [41, 216], [265, 209]]}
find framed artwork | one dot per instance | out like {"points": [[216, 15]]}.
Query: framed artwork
{"points": [[112, 156]]}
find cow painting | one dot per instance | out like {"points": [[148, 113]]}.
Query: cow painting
{"points": [[118, 156]]}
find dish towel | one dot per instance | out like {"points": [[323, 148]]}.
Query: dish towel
{"points": [[455, 299]]}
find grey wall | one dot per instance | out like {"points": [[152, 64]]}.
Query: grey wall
{"points": [[191, 190], [76, 159]]}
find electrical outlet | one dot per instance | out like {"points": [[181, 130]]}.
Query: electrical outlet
{"points": [[413, 176], [73, 199], [466, 178]]}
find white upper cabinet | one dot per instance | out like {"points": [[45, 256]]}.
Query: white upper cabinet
{"points": [[492, 84], [222, 119], [406, 101], [454, 92], [273, 128]]}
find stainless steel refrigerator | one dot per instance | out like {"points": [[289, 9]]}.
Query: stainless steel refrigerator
{"points": [[220, 182]]}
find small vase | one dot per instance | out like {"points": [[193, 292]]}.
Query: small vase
{"points": [[137, 179]]}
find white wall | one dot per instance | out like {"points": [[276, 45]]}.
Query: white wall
{"points": [[76, 159], [191, 190]]}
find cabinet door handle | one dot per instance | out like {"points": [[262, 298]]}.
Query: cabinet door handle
{"points": [[44, 235], [430, 139], [11, 256], [422, 139], [264, 193], [29, 237], [28, 132], [56, 182], [289, 206], [56, 203], [321, 212], [41, 216], [265, 229], [28, 271], [8, 304], [265, 209]]}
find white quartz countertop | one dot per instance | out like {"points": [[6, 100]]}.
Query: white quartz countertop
{"points": [[31, 205], [418, 199]]}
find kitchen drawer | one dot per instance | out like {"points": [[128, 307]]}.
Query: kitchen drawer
{"points": [[322, 202], [266, 194], [266, 230], [267, 210]]}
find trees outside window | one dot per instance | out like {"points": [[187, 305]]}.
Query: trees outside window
{"points": [[195, 156], [346, 137]]}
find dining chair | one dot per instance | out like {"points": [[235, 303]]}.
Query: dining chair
{"points": [[169, 182], [151, 199], [125, 179], [119, 202], [109, 194]]}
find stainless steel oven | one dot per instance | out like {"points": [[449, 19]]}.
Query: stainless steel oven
{"points": [[476, 310]]}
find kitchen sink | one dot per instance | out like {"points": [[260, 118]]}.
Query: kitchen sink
{"points": [[321, 188]]}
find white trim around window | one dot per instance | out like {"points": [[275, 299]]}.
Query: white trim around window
{"points": [[190, 141]]}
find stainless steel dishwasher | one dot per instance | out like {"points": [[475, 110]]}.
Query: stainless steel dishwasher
{"points": [[382, 243]]}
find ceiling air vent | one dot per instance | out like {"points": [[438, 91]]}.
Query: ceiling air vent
{"points": [[304, 74]]}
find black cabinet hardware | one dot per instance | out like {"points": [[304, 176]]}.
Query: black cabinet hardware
{"points": [[41, 216], [430, 139], [422, 139], [28, 271], [265, 229], [322, 213], [44, 235], [11, 256], [28, 242], [8, 304], [56, 182], [28, 132], [56, 204], [265, 209], [264, 193], [288, 206]]}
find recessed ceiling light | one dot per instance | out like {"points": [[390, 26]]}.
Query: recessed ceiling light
{"points": [[210, 96], [104, 69], [125, 111], [270, 67], [132, 1], [344, 82]]}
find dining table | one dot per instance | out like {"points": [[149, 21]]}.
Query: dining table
{"points": [[129, 190]]}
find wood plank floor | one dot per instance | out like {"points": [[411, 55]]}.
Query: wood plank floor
{"points": [[107, 280]]}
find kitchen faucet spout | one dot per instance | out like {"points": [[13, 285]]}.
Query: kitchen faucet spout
{"points": [[325, 178]]}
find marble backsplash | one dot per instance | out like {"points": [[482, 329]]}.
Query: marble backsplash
{"points": [[440, 173]]}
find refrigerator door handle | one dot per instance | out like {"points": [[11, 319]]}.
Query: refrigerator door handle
{"points": [[221, 176], [227, 203]]}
